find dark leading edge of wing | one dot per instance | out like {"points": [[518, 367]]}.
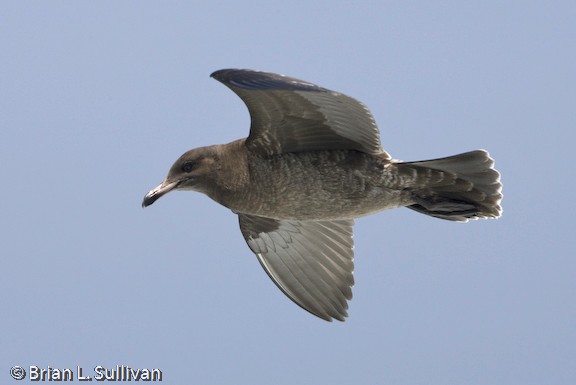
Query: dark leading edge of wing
{"points": [[291, 115], [258, 80]]}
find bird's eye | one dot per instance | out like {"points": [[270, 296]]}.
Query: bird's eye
{"points": [[188, 166]]}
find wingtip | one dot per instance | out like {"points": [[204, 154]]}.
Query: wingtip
{"points": [[226, 74], [329, 317], [219, 74], [247, 79]]}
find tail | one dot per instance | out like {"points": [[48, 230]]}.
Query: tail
{"points": [[456, 188]]}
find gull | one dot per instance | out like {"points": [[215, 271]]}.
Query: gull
{"points": [[311, 164]]}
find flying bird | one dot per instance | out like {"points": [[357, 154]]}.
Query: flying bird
{"points": [[311, 164]]}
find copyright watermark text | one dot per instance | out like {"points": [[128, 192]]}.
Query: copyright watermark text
{"points": [[99, 373]]}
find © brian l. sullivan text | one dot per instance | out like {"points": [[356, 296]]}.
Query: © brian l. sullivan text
{"points": [[100, 373]]}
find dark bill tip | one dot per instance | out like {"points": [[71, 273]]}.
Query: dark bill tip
{"points": [[149, 199], [157, 192]]}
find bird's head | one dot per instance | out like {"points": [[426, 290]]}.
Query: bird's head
{"points": [[192, 171]]}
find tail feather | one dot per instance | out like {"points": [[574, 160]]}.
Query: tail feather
{"points": [[457, 188]]}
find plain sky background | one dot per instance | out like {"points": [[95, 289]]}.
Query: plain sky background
{"points": [[98, 98]]}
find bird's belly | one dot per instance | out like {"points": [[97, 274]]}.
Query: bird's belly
{"points": [[328, 205], [319, 186]]}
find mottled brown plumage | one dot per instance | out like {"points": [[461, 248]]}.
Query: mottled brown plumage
{"points": [[311, 164]]}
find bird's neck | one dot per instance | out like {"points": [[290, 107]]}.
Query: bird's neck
{"points": [[233, 172]]}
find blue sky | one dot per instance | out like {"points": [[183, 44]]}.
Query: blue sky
{"points": [[99, 98]]}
